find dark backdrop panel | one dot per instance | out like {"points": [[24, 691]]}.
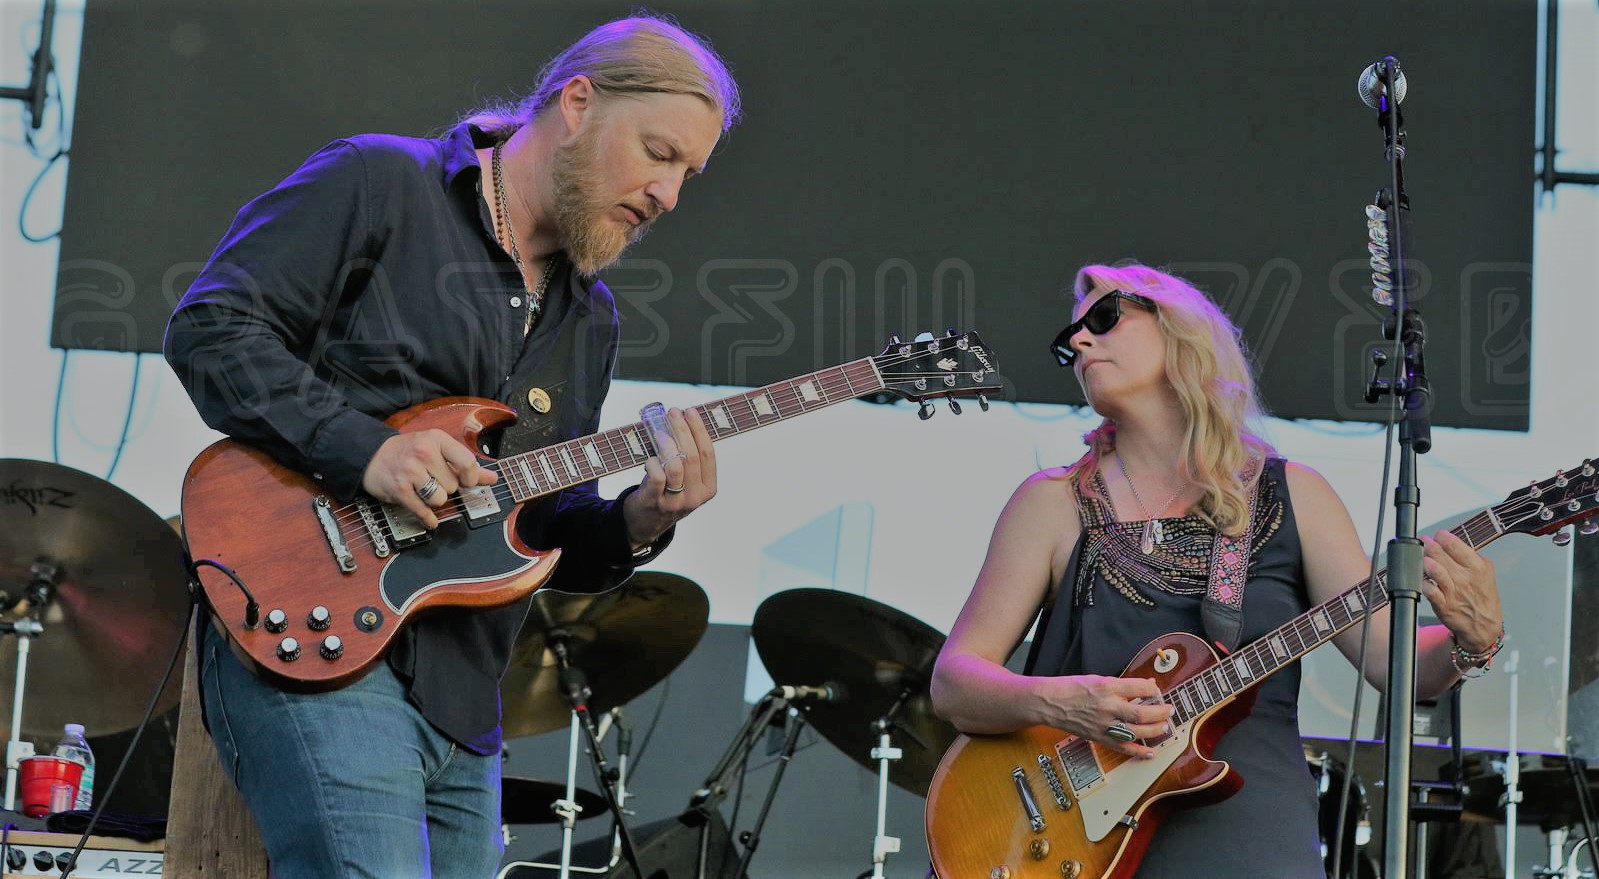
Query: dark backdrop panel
{"points": [[904, 166]]}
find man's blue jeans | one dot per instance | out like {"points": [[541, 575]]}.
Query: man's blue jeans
{"points": [[353, 782]]}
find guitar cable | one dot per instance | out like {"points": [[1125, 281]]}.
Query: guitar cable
{"points": [[1365, 622], [149, 711], [252, 608]]}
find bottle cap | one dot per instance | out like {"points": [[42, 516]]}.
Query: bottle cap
{"points": [[74, 729]]}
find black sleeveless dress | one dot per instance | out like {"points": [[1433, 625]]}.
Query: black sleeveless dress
{"points": [[1113, 600]]}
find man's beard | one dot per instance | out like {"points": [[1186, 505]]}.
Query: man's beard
{"points": [[592, 240]]}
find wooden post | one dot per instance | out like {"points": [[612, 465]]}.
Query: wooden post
{"points": [[210, 833]]}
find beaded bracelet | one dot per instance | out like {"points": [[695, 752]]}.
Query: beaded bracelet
{"points": [[1466, 662]]}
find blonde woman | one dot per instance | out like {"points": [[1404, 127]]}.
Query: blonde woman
{"points": [[1117, 550]]}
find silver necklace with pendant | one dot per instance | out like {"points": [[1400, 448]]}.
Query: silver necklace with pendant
{"points": [[1154, 532], [506, 235]]}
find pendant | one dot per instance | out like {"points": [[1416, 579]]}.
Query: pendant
{"points": [[1146, 542]]}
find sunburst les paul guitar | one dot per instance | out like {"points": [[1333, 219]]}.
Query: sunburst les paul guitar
{"points": [[1043, 804], [311, 592]]}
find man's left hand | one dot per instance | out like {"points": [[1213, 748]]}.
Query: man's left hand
{"points": [[676, 483]]}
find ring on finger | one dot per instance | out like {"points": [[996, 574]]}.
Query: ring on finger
{"points": [[427, 489], [673, 489], [683, 455], [1120, 732]]}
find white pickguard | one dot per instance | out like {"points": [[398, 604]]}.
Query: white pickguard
{"points": [[1106, 801]]}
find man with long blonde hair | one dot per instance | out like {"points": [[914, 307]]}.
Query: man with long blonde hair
{"points": [[388, 271]]}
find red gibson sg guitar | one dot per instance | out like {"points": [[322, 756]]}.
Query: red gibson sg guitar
{"points": [[1040, 803], [311, 592]]}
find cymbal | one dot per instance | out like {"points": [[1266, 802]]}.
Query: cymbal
{"points": [[120, 603], [878, 654], [1548, 794], [530, 801], [626, 641]]}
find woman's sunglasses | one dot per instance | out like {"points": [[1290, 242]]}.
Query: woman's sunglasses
{"points": [[1098, 319]]}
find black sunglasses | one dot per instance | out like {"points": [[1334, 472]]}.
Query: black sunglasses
{"points": [[1098, 319]]}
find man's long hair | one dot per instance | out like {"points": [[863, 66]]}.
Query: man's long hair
{"points": [[629, 56], [1209, 368]]}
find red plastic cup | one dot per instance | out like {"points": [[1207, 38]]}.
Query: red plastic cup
{"points": [[39, 775]]}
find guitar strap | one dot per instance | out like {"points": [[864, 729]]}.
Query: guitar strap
{"points": [[1222, 611]]}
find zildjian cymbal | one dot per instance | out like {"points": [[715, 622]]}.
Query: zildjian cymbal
{"points": [[625, 641], [115, 594]]}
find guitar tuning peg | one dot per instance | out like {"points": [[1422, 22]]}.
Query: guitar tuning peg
{"points": [[893, 340], [1590, 526], [949, 331], [925, 411], [1562, 537], [982, 402], [954, 405]]}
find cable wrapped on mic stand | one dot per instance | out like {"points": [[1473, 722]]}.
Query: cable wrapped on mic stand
{"points": [[1382, 86]]}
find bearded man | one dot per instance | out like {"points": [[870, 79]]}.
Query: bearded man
{"points": [[388, 271]]}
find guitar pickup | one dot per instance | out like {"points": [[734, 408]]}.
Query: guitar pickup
{"points": [[481, 505]]}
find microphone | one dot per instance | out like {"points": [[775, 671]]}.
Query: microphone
{"points": [[1370, 87], [832, 691]]}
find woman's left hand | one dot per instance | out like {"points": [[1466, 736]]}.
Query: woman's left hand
{"points": [[1460, 585]]}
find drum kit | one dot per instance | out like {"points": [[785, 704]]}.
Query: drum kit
{"points": [[93, 590], [852, 668], [1550, 793]]}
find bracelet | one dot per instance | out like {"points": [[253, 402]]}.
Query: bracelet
{"points": [[1466, 662]]}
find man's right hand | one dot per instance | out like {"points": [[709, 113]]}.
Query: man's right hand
{"points": [[407, 461]]}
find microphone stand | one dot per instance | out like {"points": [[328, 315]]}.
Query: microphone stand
{"points": [[1405, 550], [709, 797]]}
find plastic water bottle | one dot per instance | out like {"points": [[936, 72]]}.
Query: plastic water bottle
{"points": [[74, 747]]}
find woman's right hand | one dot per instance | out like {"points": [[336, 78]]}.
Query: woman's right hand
{"points": [[1089, 705]]}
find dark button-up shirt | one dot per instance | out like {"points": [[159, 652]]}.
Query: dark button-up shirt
{"points": [[369, 281]]}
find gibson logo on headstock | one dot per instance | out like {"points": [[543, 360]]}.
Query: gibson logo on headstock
{"points": [[35, 497]]}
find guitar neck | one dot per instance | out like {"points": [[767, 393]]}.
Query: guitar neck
{"points": [[548, 470], [1284, 645]]}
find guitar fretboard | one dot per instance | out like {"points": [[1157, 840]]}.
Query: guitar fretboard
{"points": [[545, 471], [1281, 647]]}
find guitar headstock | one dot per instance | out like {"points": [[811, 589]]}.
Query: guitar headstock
{"points": [[1548, 506], [952, 365]]}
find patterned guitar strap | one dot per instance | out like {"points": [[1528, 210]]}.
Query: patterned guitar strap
{"points": [[1222, 611]]}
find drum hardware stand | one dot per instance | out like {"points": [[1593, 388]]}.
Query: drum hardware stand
{"points": [[575, 688], [41, 589], [1578, 768], [885, 753], [567, 808], [1511, 798]]}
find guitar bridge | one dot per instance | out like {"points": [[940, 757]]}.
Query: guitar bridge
{"points": [[333, 533], [1035, 818], [380, 541]]}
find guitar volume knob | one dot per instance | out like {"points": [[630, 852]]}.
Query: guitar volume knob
{"points": [[289, 649], [319, 618], [332, 647], [276, 620]]}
